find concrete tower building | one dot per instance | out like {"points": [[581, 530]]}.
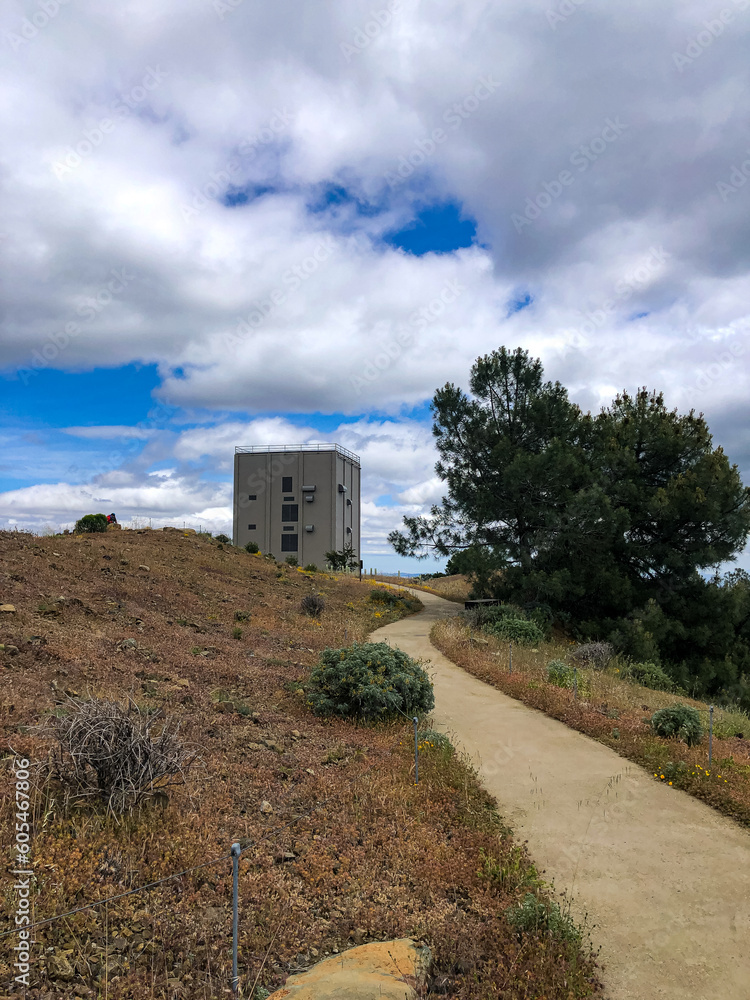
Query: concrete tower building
{"points": [[300, 500]]}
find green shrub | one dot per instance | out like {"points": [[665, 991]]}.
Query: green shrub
{"points": [[369, 681], [237, 633], [518, 630], [291, 561], [534, 916], [488, 614], [680, 721], [311, 568], [91, 523], [560, 673], [650, 675], [242, 616], [394, 599], [726, 729], [516, 872], [224, 539], [252, 548], [541, 614], [435, 740], [270, 556], [312, 605], [381, 595]]}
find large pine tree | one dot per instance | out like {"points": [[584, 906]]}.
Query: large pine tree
{"points": [[602, 518]]}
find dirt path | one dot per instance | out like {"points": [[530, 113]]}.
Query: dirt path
{"points": [[664, 878]]}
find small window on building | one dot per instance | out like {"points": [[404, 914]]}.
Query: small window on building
{"points": [[286, 484], [289, 498], [252, 527], [288, 527], [289, 543], [290, 512], [252, 496]]}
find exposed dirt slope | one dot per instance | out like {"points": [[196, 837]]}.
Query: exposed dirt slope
{"points": [[339, 846]]}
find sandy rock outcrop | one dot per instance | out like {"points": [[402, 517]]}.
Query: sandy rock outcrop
{"points": [[382, 970]]}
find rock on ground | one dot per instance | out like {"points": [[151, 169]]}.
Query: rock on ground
{"points": [[382, 970]]}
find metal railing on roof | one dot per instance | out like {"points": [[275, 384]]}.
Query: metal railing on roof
{"points": [[271, 448]]}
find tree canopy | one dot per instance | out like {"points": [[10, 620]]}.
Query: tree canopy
{"points": [[610, 520]]}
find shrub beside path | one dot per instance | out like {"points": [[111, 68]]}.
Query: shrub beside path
{"points": [[664, 879]]}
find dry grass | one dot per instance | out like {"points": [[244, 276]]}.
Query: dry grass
{"points": [[614, 711], [352, 850], [453, 588]]}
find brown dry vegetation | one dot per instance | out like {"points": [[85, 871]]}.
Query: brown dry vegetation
{"points": [[352, 851], [614, 712], [453, 588]]}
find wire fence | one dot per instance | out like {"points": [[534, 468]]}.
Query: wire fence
{"points": [[234, 855]]}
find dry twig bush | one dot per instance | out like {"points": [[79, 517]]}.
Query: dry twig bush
{"points": [[109, 751]]}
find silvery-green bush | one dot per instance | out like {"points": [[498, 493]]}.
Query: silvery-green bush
{"points": [[369, 682]]}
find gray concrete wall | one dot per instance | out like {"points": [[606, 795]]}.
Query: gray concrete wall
{"points": [[261, 474]]}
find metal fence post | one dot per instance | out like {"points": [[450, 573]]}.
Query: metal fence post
{"points": [[710, 733], [415, 720], [236, 851], [510, 658]]}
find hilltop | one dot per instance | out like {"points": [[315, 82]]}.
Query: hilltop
{"points": [[340, 845]]}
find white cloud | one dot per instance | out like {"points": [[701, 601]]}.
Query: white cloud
{"points": [[429, 492], [106, 433], [219, 442], [129, 244]]}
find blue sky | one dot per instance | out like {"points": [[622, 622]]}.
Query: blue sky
{"points": [[48, 412], [269, 225]]}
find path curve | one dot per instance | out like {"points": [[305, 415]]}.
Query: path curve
{"points": [[664, 878]]}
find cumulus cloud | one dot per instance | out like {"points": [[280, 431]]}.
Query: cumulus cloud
{"points": [[208, 190], [107, 433]]}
